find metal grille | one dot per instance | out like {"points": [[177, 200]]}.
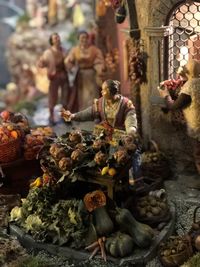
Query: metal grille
{"points": [[183, 36]]}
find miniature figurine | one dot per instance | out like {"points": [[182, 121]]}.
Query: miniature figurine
{"points": [[89, 61], [189, 101], [112, 111], [53, 60]]}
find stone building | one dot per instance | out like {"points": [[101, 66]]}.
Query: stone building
{"points": [[169, 31]]}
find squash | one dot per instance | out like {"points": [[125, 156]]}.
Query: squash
{"points": [[119, 245], [95, 202], [142, 234], [102, 221]]}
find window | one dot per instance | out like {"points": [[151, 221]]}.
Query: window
{"points": [[182, 39]]}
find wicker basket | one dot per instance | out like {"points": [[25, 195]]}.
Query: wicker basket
{"points": [[10, 151], [194, 232], [176, 259]]}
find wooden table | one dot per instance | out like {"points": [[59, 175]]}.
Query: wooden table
{"points": [[108, 181]]}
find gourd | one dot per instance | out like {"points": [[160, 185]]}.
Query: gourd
{"points": [[102, 221], [95, 202], [119, 245], [142, 234]]}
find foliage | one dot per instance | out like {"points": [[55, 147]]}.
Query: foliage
{"points": [[32, 261], [23, 18], [29, 106], [72, 39], [193, 261], [51, 220]]}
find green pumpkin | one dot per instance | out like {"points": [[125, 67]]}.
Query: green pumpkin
{"points": [[119, 245]]}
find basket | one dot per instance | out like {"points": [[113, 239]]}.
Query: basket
{"points": [[194, 232], [155, 164], [176, 259], [10, 151]]}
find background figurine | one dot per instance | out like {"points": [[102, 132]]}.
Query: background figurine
{"points": [[189, 101], [89, 62], [53, 60]]}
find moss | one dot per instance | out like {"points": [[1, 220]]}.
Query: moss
{"points": [[193, 261], [32, 261]]}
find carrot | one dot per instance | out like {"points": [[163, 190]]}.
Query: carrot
{"points": [[94, 253], [93, 245], [102, 247]]}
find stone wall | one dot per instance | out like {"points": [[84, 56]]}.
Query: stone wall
{"points": [[156, 124]]}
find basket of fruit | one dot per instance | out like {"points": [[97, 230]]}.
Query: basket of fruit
{"points": [[10, 143], [10, 150], [155, 163], [175, 251], [152, 209], [194, 232]]}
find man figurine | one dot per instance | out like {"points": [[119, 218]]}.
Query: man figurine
{"points": [[53, 60]]}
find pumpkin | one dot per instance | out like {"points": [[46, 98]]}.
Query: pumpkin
{"points": [[119, 245], [95, 202], [142, 234]]}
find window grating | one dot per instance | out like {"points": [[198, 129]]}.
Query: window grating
{"points": [[183, 36]]}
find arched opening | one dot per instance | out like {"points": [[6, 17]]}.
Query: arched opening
{"points": [[182, 39]]}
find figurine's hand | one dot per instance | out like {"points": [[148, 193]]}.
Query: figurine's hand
{"points": [[42, 63], [163, 92], [66, 115]]}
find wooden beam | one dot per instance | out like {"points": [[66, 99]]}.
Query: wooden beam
{"points": [[134, 28]]}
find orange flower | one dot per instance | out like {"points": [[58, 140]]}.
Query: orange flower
{"points": [[95, 199]]}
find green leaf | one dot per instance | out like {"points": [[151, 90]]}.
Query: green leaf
{"points": [[62, 178]]}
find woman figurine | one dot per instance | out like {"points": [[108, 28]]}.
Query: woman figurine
{"points": [[90, 63]]}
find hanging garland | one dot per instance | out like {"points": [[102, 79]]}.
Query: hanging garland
{"points": [[136, 63], [112, 60]]}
